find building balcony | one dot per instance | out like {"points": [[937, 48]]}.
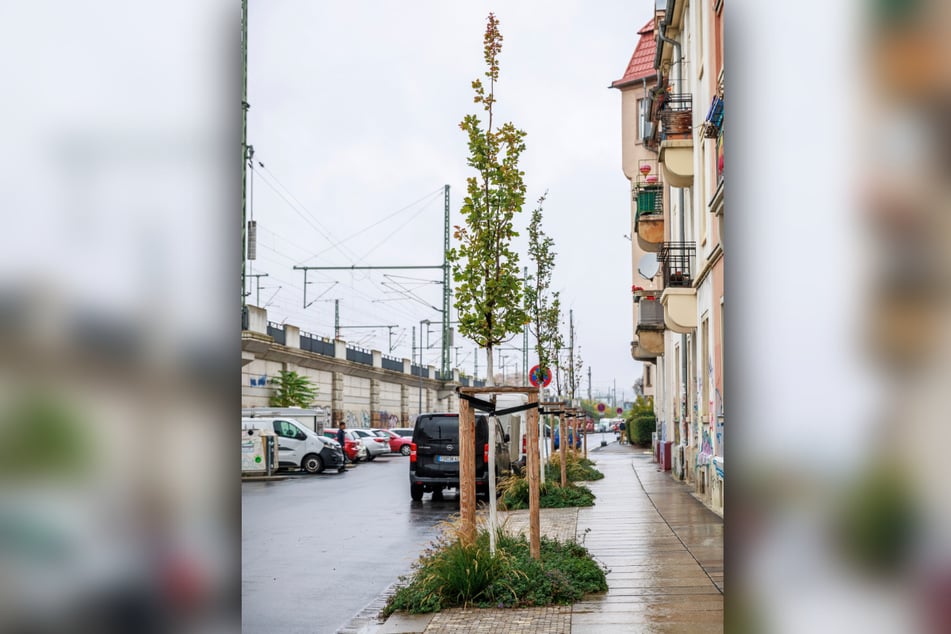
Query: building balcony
{"points": [[676, 115], [676, 139], [650, 315], [677, 263], [680, 309], [649, 217], [640, 353], [679, 298], [676, 159], [649, 323]]}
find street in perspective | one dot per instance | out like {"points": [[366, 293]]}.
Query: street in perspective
{"points": [[305, 570], [498, 407]]}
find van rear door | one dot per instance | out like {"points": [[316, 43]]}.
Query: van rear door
{"points": [[437, 445]]}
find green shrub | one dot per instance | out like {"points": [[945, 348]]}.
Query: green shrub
{"points": [[449, 574], [551, 495], [639, 432], [577, 469]]}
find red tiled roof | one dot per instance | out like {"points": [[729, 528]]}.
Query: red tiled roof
{"points": [[642, 61]]}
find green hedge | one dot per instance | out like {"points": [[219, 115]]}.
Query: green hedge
{"points": [[639, 433]]}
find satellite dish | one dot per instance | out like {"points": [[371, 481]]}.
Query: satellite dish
{"points": [[648, 266]]}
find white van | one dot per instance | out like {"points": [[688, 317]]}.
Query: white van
{"points": [[298, 446]]}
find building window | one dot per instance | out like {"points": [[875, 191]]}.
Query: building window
{"points": [[643, 106]]}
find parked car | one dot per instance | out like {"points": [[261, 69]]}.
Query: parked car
{"points": [[571, 436], [434, 454], [403, 431], [299, 447], [398, 444], [375, 445], [354, 449]]}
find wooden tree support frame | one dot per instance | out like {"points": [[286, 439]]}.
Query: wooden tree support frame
{"points": [[468, 403]]}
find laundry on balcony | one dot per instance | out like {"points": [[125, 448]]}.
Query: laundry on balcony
{"points": [[714, 121]]}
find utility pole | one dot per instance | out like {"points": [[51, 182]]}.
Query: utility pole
{"points": [[475, 360], [589, 382], [337, 319], [446, 289], [413, 360], [244, 145], [257, 280], [388, 327]]}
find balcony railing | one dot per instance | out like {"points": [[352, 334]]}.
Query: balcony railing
{"points": [[677, 260], [650, 314], [649, 199], [676, 114], [714, 121]]}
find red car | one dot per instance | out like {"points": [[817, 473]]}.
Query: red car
{"points": [[398, 444], [352, 445]]}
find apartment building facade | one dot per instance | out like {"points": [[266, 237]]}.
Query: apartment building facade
{"points": [[677, 214]]}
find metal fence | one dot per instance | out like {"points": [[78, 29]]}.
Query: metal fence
{"points": [[276, 331], [392, 363], [316, 343], [359, 355]]}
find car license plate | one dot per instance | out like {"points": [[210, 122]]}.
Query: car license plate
{"points": [[447, 458]]}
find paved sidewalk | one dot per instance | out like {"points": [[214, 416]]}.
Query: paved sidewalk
{"points": [[664, 550]]}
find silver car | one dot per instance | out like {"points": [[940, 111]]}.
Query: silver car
{"points": [[376, 445]]}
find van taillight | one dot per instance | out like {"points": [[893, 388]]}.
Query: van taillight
{"points": [[485, 453], [412, 452]]}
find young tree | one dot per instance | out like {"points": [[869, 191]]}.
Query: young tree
{"points": [[543, 310], [484, 266], [292, 390]]}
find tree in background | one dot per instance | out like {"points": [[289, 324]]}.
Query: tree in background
{"points": [[292, 390], [543, 310], [484, 266]]}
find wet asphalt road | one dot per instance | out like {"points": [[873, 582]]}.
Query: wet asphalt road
{"points": [[317, 549]]}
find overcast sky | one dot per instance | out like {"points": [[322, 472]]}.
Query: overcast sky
{"points": [[354, 114]]}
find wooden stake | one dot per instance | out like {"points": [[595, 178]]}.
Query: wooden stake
{"points": [[467, 459], [586, 437], [563, 447], [534, 494]]}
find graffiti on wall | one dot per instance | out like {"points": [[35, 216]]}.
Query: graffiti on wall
{"points": [[357, 419], [259, 381], [389, 420]]}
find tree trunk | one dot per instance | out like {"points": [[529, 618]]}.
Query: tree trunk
{"points": [[467, 492], [534, 495], [563, 447]]}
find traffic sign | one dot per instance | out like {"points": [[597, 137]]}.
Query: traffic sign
{"points": [[601, 407], [619, 410], [539, 375]]}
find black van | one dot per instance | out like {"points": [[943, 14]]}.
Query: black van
{"points": [[434, 454]]}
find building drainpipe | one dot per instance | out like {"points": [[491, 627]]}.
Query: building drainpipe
{"points": [[663, 37]]}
